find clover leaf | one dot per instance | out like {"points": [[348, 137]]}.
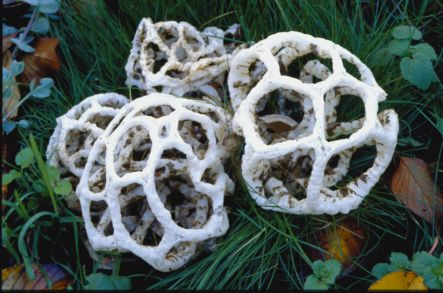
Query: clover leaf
{"points": [[406, 32], [24, 158], [100, 281]]}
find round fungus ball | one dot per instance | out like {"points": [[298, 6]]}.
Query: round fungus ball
{"points": [[154, 183], [174, 57], [305, 106]]}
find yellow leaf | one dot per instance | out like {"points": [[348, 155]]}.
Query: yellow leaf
{"points": [[400, 280], [10, 276], [342, 242], [16, 278]]}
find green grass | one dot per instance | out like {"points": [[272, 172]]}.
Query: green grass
{"points": [[262, 249]]}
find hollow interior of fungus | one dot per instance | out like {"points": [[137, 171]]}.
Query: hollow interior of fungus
{"points": [[194, 134], [362, 159], [279, 115], [155, 57], [132, 150], [102, 121], [288, 176], [137, 216], [192, 40], [351, 68], [169, 35], [76, 139], [188, 207], [100, 217], [346, 114]]}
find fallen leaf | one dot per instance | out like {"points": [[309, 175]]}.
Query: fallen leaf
{"points": [[342, 242], [8, 104], [6, 42], [43, 62], [16, 278], [278, 123], [412, 184], [400, 280]]}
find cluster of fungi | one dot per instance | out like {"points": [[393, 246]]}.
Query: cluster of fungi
{"points": [[150, 173]]}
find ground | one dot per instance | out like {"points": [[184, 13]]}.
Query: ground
{"points": [[262, 249]]}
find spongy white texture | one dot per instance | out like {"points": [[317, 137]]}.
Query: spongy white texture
{"points": [[174, 57], [161, 190], [294, 158], [76, 131]]}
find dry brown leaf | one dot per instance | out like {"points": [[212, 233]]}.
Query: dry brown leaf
{"points": [[16, 278], [413, 186], [400, 280], [278, 126], [6, 42], [43, 62], [9, 104], [342, 242]]}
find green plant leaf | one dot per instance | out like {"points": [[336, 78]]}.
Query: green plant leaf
{"points": [[406, 32], [317, 267], [421, 261], [381, 269], [333, 268], [8, 30], [409, 141], [313, 283], [53, 173], [63, 187], [10, 176], [418, 71], [48, 6], [41, 25], [22, 45], [8, 126], [39, 186], [430, 268], [16, 68], [432, 280], [399, 261], [24, 158], [32, 205], [23, 123], [43, 90], [100, 281], [398, 47], [383, 56], [424, 49], [44, 171]]}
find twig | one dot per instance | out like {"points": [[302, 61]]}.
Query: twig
{"points": [[25, 33], [434, 246], [16, 107]]}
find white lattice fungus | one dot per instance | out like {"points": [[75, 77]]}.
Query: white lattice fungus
{"points": [[174, 57], [76, 131], [161, 191], [286, 91]]}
